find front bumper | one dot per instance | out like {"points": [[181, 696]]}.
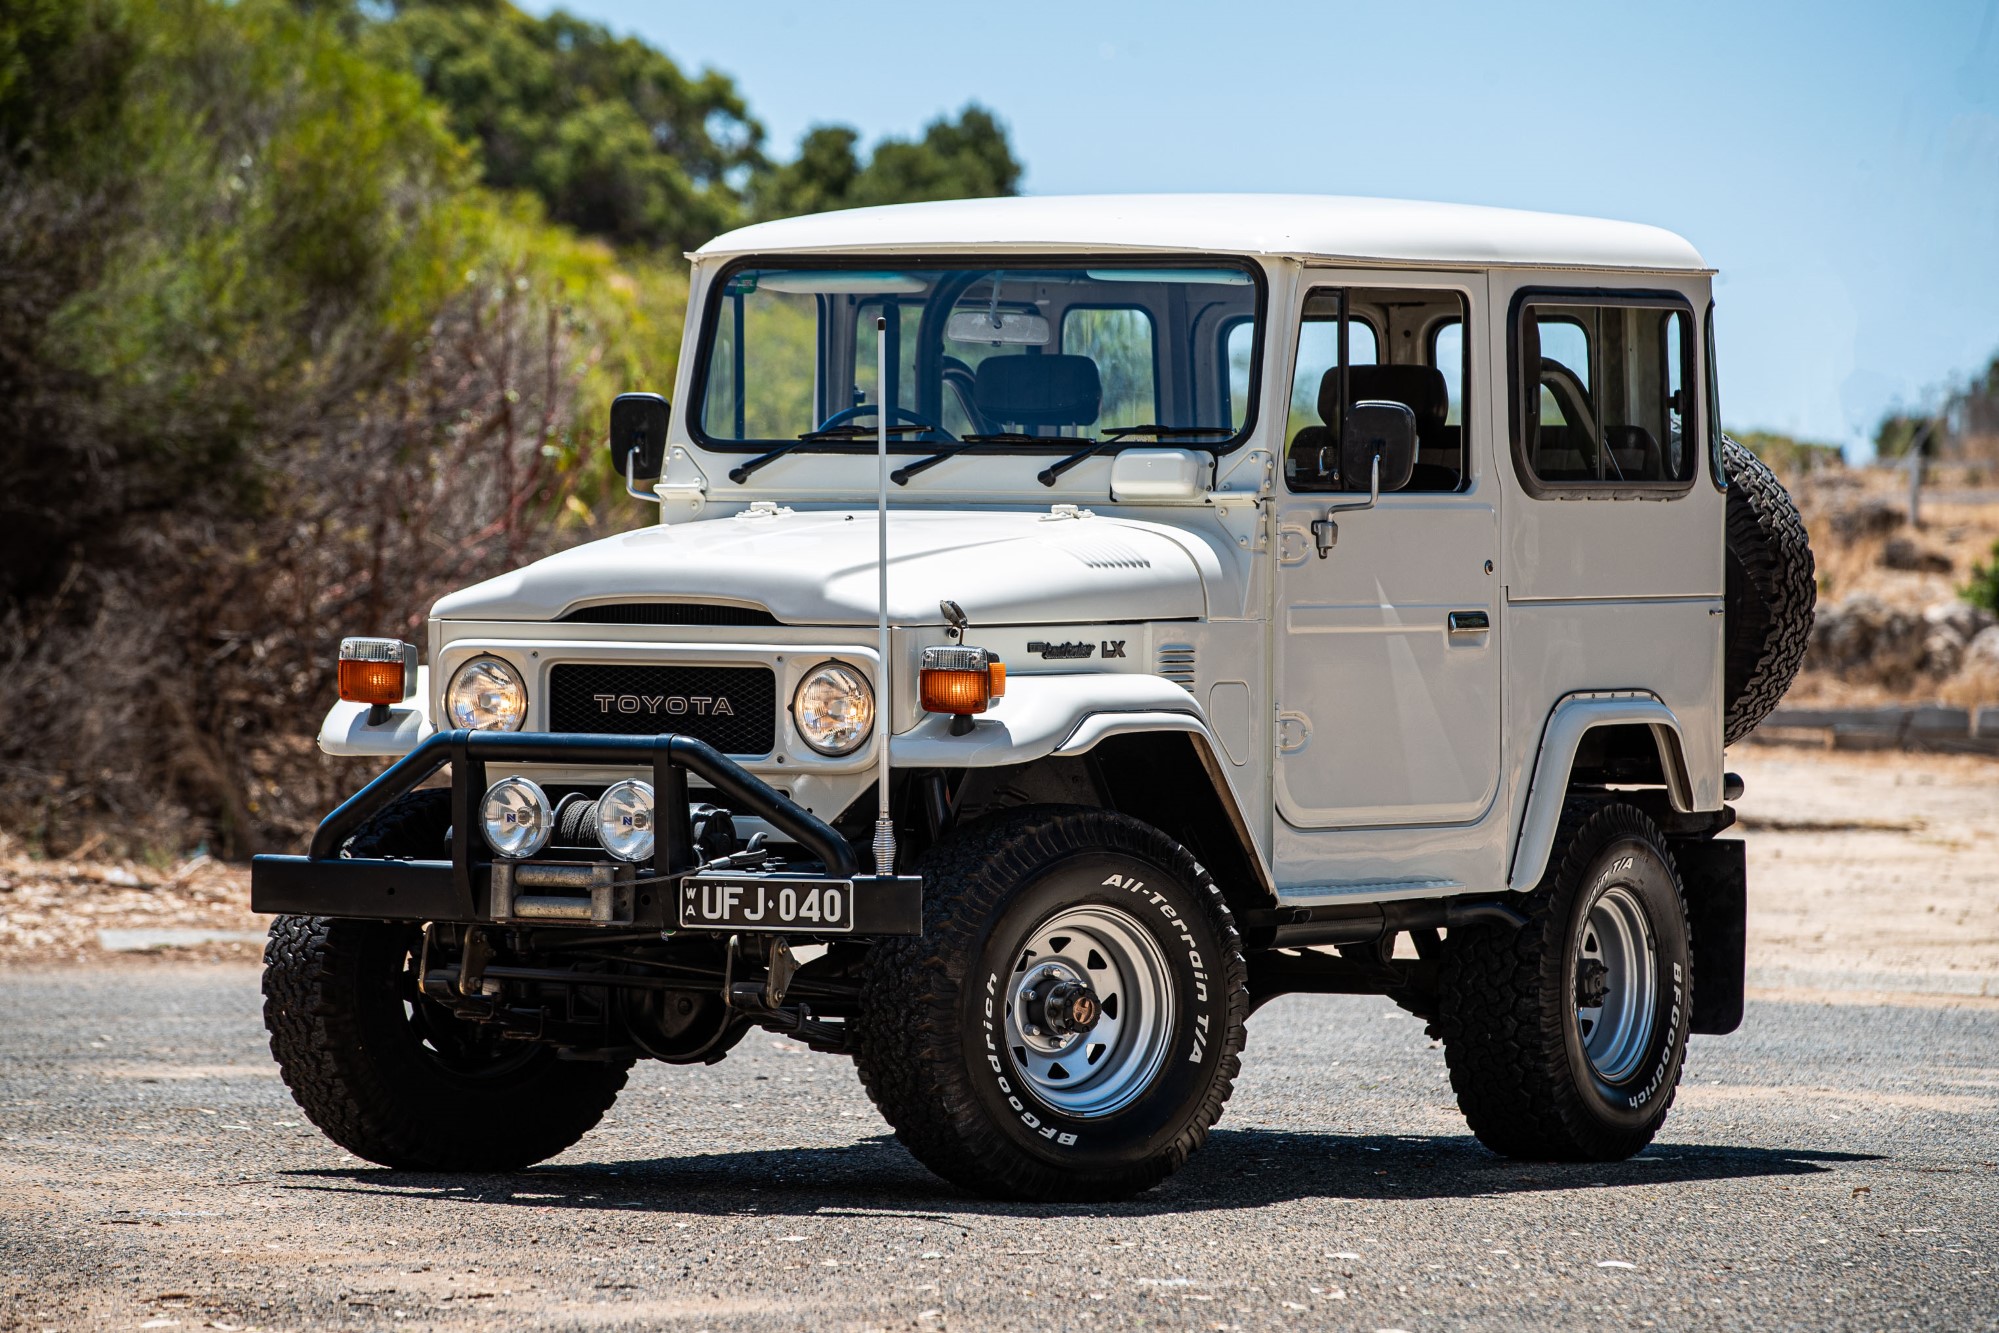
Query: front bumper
{"points": [[462, 890]]}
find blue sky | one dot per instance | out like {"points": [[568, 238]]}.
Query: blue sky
{"points": [[1839, 163]]}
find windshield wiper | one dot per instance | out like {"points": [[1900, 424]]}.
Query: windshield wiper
{"points": [[742, 472], [902, 475], [1167, 432], [1120, 437]]}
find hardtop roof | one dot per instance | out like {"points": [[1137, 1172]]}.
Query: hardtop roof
{"points": [[1389, 231]]}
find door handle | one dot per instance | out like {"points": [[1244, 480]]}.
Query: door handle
{"points": [[1469, 622]]}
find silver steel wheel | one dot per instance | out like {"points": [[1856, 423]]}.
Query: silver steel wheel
{"points": [[1617, 983], [1097, 964]]}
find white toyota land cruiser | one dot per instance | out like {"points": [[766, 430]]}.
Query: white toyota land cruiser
{"points": [[1263, 583]]}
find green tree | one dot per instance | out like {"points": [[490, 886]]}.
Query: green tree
{"points": [[1899, 431], [613, 137], [966, 158]]}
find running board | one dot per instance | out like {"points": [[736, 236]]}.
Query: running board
{"points": [[1367, 891]]}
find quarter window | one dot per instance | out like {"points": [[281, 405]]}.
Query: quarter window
{"points": [[1602, 394]]}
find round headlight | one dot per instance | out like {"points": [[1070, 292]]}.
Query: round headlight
{"points": [[486, 695], [834, 708], [516, 817], [624, 820]]}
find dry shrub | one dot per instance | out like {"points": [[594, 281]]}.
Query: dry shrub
{"points": [[166, 694]]}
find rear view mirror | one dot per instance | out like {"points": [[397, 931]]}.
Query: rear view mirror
{"points": [[1383, 430], [638, 435], [1013, 327]]}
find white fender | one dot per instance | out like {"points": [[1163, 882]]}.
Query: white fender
{"points": [[347, 734], [1572, 716], [1063, 714]]}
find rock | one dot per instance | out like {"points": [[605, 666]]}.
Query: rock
{"points": [[1869, 518], [1906, 553], [1962, 617], [1865, 639], [1982, 653]]}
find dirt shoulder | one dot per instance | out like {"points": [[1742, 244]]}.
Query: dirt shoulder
{"points": [[1872, 875], [52, 911]]}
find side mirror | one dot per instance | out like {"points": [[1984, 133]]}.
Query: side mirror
{"points": [[1378, 430], [638, 435]]}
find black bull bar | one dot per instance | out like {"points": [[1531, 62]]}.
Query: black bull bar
{"points": [[324, 883]]}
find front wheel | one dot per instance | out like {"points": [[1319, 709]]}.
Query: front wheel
{"points": [[1565, 1038], [1070, 1023], [394, 1077]]}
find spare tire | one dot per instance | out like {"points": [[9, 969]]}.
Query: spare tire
{"points": [[1770, 591]]}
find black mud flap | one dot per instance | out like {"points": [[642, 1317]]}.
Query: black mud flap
{"points": [[1717, 884]]}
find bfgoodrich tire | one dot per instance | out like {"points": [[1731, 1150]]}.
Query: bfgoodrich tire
{"points": [[394, 1077], [1070, 1023], [1565, 1038], [1770, 593]]}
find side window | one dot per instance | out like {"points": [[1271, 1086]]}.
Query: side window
{"points": [[1238, 350], [1601, 391], [1403, 346], [1119, 340], [1447, 354]]}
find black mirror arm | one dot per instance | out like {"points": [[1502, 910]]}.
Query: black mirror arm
{"points": [[1325, 532]]}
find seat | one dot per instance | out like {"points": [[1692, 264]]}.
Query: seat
{"points": [[1038, 391], [1422, 389]]}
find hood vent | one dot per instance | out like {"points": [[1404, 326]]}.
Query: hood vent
{"points": [[1176, 663], [1104, 553], [670, 613]]}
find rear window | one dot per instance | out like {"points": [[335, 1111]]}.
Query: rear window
{"points": [[1601, 394]]}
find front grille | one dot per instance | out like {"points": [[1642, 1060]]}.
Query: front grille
{"points": [[670, 613], [734, 709]]}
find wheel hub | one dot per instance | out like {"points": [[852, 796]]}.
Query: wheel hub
{"points": [[1090, 1008], [1617, 983], [1592, 984], [1065, 1007]]}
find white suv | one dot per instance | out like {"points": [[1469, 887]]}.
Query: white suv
{"points": [[1267, 581]]}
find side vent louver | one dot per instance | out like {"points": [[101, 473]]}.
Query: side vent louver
{"points": [[1176, 663]]}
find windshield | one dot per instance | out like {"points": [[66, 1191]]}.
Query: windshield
{"points": [[1039, 356]]}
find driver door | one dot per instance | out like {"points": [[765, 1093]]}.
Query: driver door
{"points": [[1387, 645]]}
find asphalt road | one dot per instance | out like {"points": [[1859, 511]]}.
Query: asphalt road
{"points": [[1830, 1166]]}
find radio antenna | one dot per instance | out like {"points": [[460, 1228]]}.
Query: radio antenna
{"points": [[884, 710]]}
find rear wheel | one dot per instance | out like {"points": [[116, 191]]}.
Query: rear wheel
{"points": [[1565, 1038], [392, 1075], [1070, 1022]]}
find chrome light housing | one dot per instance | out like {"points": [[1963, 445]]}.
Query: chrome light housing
{"points": [[834, 708], [625, 824], [516, 817], [486, 695]]}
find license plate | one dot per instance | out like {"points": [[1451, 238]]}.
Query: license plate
{"points": [[795, 906]]}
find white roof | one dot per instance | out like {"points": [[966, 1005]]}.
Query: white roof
{"points": [[1303, 225]]}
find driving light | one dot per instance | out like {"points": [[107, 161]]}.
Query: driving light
{"points": [[486, 695], [960, 680], [834, 708], [625, 821], [517, 817], [377, 672]]}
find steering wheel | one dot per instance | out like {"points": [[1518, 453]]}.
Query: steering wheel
{"points": [[845, 415]]}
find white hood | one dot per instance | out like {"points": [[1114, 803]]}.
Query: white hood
{"points": [[818, 568]]}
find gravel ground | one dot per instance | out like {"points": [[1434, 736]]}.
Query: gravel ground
{"points": [[1830, 1166]]}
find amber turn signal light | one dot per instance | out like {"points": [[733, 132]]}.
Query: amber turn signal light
{"points": [[958, 680], [377, 672]]}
